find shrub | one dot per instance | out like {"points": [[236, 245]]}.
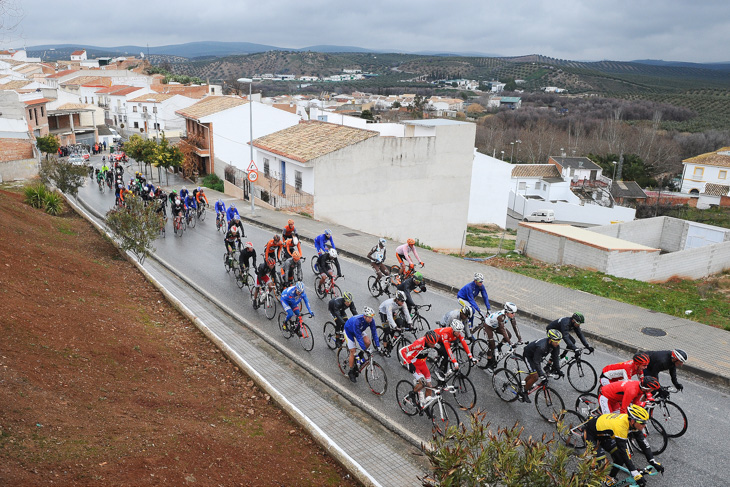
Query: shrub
{"points": [[135, 226], [212, 181], [38, 196], [53, 203]]}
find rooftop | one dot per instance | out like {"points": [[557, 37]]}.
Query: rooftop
{"points": [[576, 162], [312, 139], [627, 189], [544, 171], [38, 101], [211, 105], [718, 158], [157, 97], [587, 237]]}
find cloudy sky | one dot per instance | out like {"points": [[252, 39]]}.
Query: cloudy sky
{"points": [[676, 30]]}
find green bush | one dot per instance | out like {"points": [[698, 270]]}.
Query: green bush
{"points": [[135, 226], [212, 181], [38, 196], [53, 203]]}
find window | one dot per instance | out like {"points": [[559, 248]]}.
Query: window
{"points": [[722, 175], [42, 114], [266, 167], [136, 125], [134, 108], [298, 180], [144, 109], [30, 114], [698, 172], [537, 185], [522, 186], [154, 109]]}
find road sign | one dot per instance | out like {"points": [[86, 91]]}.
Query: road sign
{"points": [[253, 176], [252, 167]]}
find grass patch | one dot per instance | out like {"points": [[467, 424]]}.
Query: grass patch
{"points": [[488, 241], [212, 181]]}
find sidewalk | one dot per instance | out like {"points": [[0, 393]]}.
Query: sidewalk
{"points": [[611, 322]]}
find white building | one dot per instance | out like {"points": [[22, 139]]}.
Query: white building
{"points": [[712, 167], [155, 113], [79, 55]]}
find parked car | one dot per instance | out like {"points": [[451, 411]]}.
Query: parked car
{"points": [[115, 135], [118, 157], [542, 216], [85, 155], [76, 160]]}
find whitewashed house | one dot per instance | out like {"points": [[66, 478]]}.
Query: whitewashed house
{"points": [[711, 167]]}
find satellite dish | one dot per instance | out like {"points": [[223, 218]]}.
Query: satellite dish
{"points": [[141, 55]]}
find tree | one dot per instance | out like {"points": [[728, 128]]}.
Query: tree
{"points": [[63, 175], [396, 104], [418, 105], [135, 226], [166, 155], [478, 456], [510, 85], [367, 115], [48, 144]]}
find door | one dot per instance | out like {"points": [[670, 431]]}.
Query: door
{"points": [[283, 178], [594, 173]]}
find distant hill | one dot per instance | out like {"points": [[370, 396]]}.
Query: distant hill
{"points": [[724, 66]]}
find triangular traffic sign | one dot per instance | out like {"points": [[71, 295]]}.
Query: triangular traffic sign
{"points": [[252, 167]]}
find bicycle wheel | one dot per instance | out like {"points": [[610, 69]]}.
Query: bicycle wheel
{"points": [[549, 404], [321, 293], [306, 339], [240, 277], [201, 215], [376, 378], [314, 265], [506, 385], [284, 331], [335, 292], [570, 431], [330, 335], [479, 350], [671, 417], [421, 324], [178, 228], [193, 220], [586, 404], [226, 262], [465, 394], [407, 399], [462, 359], [582, 376], [517, 365], [343, 359], [374, 287], [394, 270], [655, 436], [442, 416], [269, 306]]}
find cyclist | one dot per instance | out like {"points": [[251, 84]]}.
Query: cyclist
{"points": [[414, 357], [161, 198], [625, 370], [568, 324], [402, 252], [265, 275], [668, 361], [231, 239], [247, 254], [290, 246], [496, 322], [338, 309], [320, 244], [236, 220], [618, 396], [610, 433], [468, 295], [183, 191], [289, 231], [273, 248], [354, 328], [377, 259], [177, 209], [291, 269], [534, 353], [199, 195], [324, 268], [414, 282], [462, 314], [172, 197], [232, 212], [118, 187], [290, 299], [190, 206], [449, 335], [394, 313], [220, 210]]}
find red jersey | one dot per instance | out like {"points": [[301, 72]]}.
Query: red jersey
{"points": [[410, 353], [447, 338], [625, 392], [620, 371]]}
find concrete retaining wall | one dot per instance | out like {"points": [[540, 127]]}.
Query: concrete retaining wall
{"points": [[17, 170]]}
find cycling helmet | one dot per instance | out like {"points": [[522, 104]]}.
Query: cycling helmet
{"points": [[295, 255], [432, 338], [199, 189], [479, 277], [382, 242], [400, 296], [418, 277], [299, 287], [368, 311], [276, 238], [554, 335], [641, 359], [458, 327], [328, 232], [234, 228], [680, 355], [220, 201], [467, 311], [177, 201], [637, 413], [290, 223], [579, 318], [183, 188], [233, 206], [411, 242], [347, 296], [650, 383], [271, 262], [333, 253], [510, 307], [295, 241], [249, 245]]}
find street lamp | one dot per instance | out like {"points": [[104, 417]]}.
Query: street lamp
{"points": [[502, 155], [518, 141], [614, 170], [250, 126]]}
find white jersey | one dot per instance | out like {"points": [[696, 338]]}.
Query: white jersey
{"points": [[494, 318]]}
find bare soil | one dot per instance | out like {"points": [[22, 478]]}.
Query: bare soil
{"points": [[102, 382]]}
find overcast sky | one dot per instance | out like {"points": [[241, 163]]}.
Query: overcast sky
{"points": [[586, 30]]}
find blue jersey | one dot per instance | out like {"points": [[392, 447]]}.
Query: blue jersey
{"points": [[355, 326], [471, 291], [231, 213], [220, 206], [183, 194], [320, 242], [190, 202], [290, 297]]}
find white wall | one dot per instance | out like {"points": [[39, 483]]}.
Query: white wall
{"points": [[408, 187], [385, 129], [586, 214], [711, 174], [489, 192]]}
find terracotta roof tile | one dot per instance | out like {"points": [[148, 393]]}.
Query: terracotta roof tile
{"points": [[111, 89], [61, 74], [535, 171], [126, 91], [718, 158], [74, 106], [78, 53], [210, 105], [15, 85], [712, 189], [158, 97], [38, 101], [312, 139], [83, 80]]}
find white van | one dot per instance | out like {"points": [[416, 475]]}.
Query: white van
{"points": [[542, 216]]}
